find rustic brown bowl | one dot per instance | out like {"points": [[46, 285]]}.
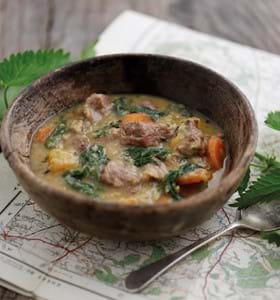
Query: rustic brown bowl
{"points": [[180, 80]]}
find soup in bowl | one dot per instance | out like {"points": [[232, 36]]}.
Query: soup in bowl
{"points": [[134, 147], [129, 149]]}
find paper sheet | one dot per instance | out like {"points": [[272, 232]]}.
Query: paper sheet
{"points": [[40, 257]]}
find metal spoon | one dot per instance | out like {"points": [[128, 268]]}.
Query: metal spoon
{"points": [[259, 217]]}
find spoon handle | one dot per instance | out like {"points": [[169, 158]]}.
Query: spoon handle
{"points": [[139, 279]]}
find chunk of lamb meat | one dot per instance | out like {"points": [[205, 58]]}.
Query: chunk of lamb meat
{"points": [[96, 106], [153, 171], [145, 134], [81, 143], [74, 141], [195, 142], [167, 131], [117, 173]]}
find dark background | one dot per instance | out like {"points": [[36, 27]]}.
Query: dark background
{"points": [[71, 24]]}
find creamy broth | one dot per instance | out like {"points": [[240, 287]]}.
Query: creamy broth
{"points": [[64, 150]]}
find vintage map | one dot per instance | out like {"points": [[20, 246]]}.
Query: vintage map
{"points": [[40, 257]]}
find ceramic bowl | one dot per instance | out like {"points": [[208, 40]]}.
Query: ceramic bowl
{"points": [[180, 80]]}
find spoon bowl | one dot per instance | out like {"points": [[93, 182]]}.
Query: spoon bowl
{"points": [[262, 216]]}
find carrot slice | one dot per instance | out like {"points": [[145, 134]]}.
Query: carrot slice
{"points": [[216, 152], [196, 176], [136, 117], [43, 134]]}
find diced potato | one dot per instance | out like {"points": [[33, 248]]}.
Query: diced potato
{"points": [[61, 160]]}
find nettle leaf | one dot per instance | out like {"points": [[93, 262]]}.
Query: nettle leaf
{"points": [[53, 140], [265, 162], [272, 237], [146, 155], [11, 94], [89, 51], [80, 186], [22, 68], [273, 120], [266, 188], [123, 106], [103, 131]]}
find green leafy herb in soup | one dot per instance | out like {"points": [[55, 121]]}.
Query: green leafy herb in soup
{"points": [[132, 149]]}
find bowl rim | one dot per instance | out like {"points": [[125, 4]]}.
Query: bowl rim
{"points": [[227, 182]]}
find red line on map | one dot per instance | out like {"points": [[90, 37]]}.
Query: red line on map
{"points": [[69, 251], [5, 236], [218, 260], [213, 267]]}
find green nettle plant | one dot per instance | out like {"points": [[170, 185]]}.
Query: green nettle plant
{"points": [[21, 69], [266, 187]]}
